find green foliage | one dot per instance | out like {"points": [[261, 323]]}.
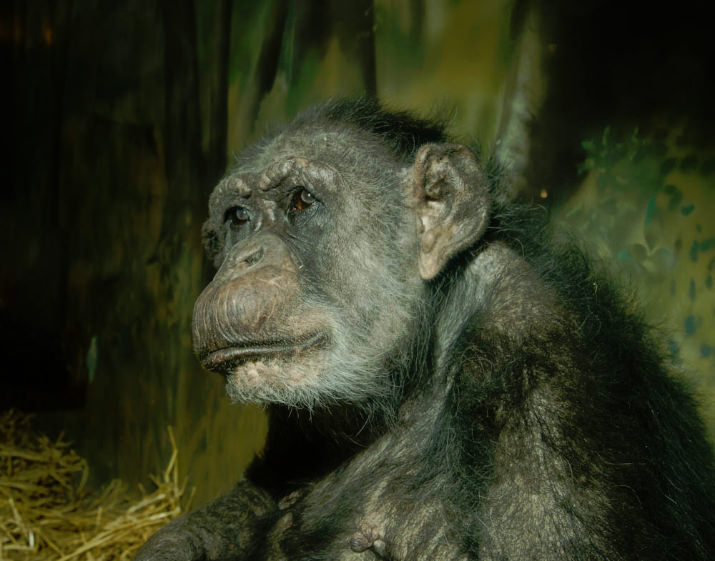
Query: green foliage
{"points": [[632, 163], [634, 195], [646, 205]]}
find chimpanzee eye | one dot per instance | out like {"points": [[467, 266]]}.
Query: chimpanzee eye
{"points": [[237, 216], [302, 199]]}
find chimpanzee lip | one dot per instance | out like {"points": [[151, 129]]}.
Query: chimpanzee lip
{"points": [[224, 358]]}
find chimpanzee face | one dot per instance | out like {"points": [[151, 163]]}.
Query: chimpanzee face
{"points": [[318, 288]]}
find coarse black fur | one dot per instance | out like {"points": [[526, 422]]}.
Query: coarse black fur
{"points": [[527, 414]]}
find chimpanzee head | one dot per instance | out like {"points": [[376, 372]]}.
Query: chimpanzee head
{"points": [[325, 236]]}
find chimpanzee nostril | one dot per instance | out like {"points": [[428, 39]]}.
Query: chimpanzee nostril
{"points": [[241, 261], [265, 254], [252, 258]]}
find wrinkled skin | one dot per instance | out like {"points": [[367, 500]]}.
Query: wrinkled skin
{"points": [[441, 383]]}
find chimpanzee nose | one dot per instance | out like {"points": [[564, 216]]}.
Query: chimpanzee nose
{"points": [[264, 251], [241, 259], [257, 280]]}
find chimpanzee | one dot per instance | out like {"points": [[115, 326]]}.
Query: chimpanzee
{"points": [[443, 382]]}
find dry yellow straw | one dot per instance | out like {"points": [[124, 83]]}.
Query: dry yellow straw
{"points": [[47, 515]]}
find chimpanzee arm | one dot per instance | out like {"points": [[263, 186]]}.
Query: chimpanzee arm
{"points": [[226, 528]]}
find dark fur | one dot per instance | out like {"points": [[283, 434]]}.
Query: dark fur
{"points": [[538, 421]]}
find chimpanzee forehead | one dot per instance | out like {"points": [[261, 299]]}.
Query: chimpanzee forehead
{"points": [[272, 178], [343, 148], [328, 158]]}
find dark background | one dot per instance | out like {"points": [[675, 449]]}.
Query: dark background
{"points": [[121, 116]]}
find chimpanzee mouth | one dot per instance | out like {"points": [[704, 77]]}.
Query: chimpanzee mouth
{"points": [[227, 358]]}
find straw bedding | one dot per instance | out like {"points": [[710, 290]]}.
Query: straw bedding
{"points": [[47, 513]]}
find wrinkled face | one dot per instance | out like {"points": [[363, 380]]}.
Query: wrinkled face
{"points": [[317, 289]]}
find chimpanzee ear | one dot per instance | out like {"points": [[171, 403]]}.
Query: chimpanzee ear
{"points": [[451, 201]]}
